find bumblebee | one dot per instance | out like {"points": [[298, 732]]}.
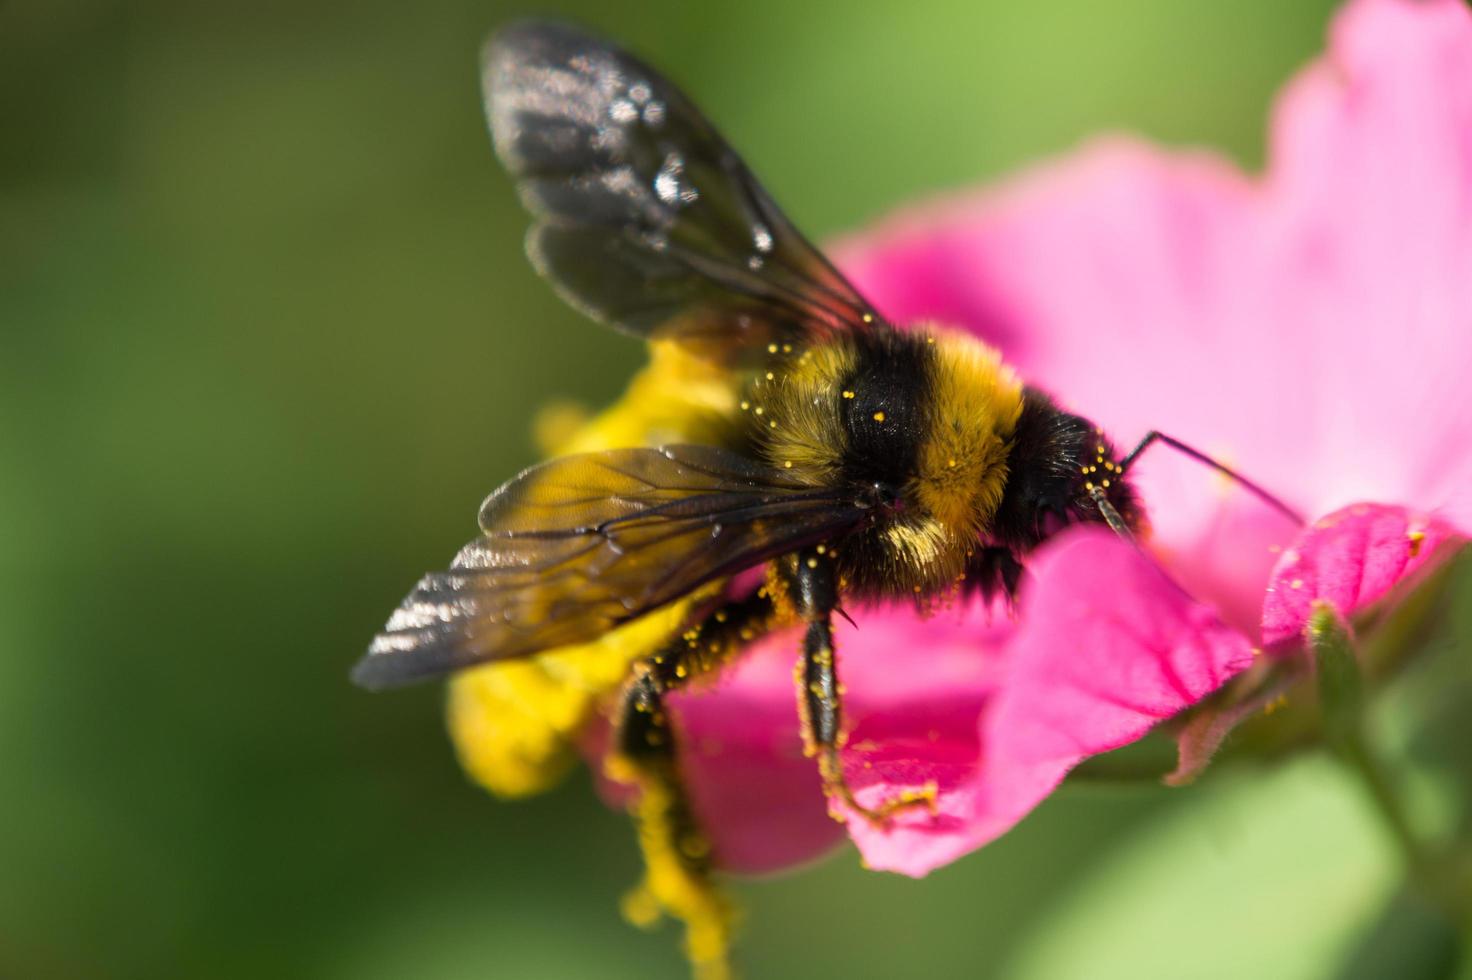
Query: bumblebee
{"points": [[782, 424]]}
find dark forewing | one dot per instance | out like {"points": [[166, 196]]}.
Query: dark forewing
{"points": [[646, 218], [577, 545]]}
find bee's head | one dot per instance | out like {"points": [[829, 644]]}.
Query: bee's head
{"points": [[1101, 492], [1060, 467]]}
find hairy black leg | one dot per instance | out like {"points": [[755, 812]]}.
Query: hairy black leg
{"points": [[676, 855], [993, 571], [677, 858], [812, 585]]}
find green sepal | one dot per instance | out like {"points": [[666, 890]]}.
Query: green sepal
{"points": [[1340, 680]]}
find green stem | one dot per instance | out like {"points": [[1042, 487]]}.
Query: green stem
{"points": [[1440, 875], [1342, 704], [1376, 782]]}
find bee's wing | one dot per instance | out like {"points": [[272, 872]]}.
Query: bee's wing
{"points": [[577, 545], [645, 218]]}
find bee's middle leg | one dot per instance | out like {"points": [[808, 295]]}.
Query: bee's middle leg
{"points": [[812, 585]]}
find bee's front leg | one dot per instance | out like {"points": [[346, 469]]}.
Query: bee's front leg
{"points": [[812, 585]]}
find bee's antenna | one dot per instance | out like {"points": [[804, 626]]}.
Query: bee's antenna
{"points": [[1111, 516], [1153, 436]]}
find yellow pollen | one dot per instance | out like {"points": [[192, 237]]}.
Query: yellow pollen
{"points": [[878, 416], [1106, 484], [787, 348], [822, 549], [760, 410], [770, 376], [745, 405], [951, 462], [771, 348], [1089, 485], [868, 317], [812, 563], [787, 464], [848, 394], [771, 425]]}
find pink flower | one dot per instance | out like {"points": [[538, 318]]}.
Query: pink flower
{"points": [[1313, 327]]}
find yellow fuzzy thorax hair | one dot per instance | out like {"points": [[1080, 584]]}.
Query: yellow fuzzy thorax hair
{"points": [[792, 409]]}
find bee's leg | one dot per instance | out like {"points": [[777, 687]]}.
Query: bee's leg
{"points": [[813, 588], [676, 854], [677, 859], [993, 571]]}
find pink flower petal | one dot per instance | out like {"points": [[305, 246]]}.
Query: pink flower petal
{"points": [[1350, 559], [1367, 219], [1107, 646]]}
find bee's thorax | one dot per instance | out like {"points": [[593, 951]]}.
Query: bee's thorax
{"points": [[928, 412]]}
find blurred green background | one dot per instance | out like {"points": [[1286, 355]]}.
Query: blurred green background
{"points": [[267, 337]]}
